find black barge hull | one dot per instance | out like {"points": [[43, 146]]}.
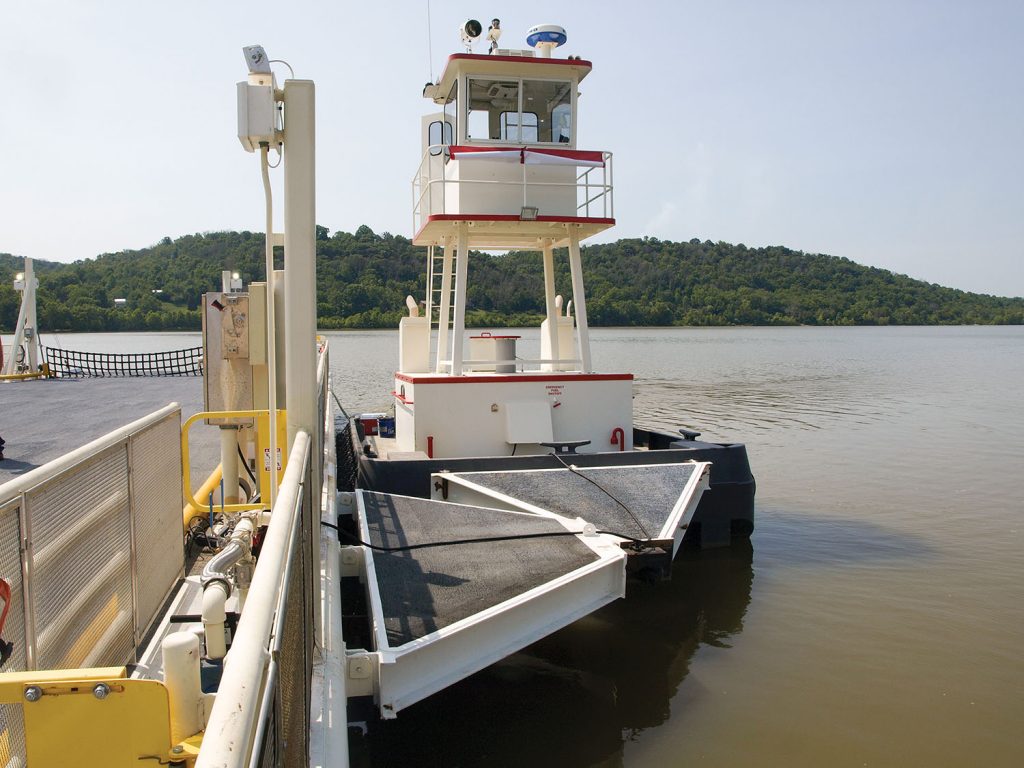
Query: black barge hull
{"points": [[725, 513]]}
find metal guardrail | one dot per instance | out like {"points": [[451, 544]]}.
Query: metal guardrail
{"points": [[594, 187], [250, 719], [261, 714], [91, 546]]}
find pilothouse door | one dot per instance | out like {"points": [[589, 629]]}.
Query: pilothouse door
{"points": [[437, 134]]}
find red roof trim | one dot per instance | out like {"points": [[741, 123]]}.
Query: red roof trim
{"points": [[528, 59], [501, 217], [500, 379], [514, 217]]}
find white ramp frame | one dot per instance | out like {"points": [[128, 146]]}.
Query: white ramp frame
{"points": [[411, 672], [463, 490]]}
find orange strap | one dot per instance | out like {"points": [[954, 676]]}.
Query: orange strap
{"points": [[5, 595]]}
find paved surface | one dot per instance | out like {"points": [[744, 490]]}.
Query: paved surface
{"points": [[42, 420]]}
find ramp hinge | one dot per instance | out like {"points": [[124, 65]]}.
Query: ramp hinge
{"points": [[360, 673]]}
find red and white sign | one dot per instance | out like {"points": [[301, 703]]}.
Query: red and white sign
{"points": [[266, 459]]}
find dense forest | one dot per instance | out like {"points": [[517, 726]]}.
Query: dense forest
{"points": [[363, 279]]}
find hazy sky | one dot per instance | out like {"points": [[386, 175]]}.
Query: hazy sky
{"points": [[889, 132]]}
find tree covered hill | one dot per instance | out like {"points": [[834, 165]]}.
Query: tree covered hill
{"points": [[363, 279]]}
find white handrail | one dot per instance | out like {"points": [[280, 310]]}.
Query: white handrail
{"points": [[423, 184], [233, 721]]}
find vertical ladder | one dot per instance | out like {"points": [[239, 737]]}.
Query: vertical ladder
{"points": [[436, 302]]}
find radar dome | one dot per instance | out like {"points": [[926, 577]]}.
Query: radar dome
{"points": [[545, 37]]}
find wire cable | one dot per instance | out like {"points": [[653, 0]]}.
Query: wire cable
{"points": [[282, 61], [255, 483], [481, 540], [607, 493], [340, 406]]}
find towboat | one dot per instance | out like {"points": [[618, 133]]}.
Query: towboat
{"points": [[501, 170]]}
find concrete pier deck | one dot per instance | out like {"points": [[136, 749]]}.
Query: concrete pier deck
{"points": [[44, 419]]}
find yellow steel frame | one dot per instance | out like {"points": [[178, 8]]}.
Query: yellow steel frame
{"points": [[42, 373], [262, 417], [69, 725]]}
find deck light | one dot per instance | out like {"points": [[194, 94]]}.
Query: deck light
{"points": [[256, 59], [528, 213]]}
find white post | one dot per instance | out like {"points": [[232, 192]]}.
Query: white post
{"points": [[228, 435], [301, 395], [26, 325], [461, 273], [430, 298], [549, 303], [300, 258], [32, 324], [579, 300], [180, 652], [444, 316]]}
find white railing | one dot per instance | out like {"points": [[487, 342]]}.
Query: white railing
{"points": [[261, 715], [91, 546], [594, 197], [100, 546], [248, 693]]}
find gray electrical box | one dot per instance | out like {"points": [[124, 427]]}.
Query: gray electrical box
{"points": [[227, 375]]}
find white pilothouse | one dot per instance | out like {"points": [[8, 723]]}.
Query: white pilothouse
{"points": [[501, 170]]}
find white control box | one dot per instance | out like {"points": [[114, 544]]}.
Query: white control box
{"points": [[257, 115]]}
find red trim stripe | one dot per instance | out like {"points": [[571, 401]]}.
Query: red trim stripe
{"points": [[502, 218], [582, 63], [581, 155], [500, 379], [513, 217]]}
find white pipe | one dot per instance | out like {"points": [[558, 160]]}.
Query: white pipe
{"points": [[229, 463], [217, 586], [268, 258], [550, 304], [232, 721], [444, 315], [180, 651], [215, 598]]}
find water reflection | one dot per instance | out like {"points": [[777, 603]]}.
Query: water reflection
{"points": [[794, 540], [572, 699], [806, 401]]}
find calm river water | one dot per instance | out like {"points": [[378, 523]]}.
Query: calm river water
{"points": [[876, 617]]}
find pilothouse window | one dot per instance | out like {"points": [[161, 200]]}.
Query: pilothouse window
{"points": [[519, 111], [551, 101], [439, 133], [514, 130]]}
